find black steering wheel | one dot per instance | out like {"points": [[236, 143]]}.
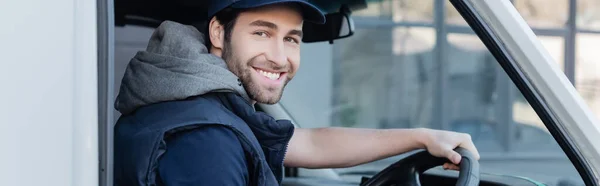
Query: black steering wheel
{"points": [[406, 172]]}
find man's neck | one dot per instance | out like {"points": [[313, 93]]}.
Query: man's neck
{"points": [[216, 51]]}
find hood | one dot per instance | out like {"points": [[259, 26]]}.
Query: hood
{"points": [[176, 65]]}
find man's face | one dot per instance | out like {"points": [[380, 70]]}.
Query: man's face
{"points": [[264, 50]]}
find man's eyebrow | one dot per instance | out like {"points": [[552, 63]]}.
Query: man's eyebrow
{"points": [[296, 32], [262, 23]]}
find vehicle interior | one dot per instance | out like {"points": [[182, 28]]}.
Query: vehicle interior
{"points": [[384, 64]]}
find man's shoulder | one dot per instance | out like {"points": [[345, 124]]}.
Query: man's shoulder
{"points": [[211, 101], [171, 114]]}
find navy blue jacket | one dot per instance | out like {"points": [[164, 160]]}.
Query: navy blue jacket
{"points": [[155, 144]]}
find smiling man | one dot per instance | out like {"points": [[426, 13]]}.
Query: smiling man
{"points": [[188, 115]]}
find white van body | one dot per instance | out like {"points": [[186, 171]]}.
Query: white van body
{"points": [[49, 102]]}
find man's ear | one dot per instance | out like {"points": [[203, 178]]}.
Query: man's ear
{"points": [[216, 33]]}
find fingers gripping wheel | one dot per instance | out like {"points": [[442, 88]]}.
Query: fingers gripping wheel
{"points": [[406, 171]]}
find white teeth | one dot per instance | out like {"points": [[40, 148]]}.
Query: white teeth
{"points": [[269, 75]]}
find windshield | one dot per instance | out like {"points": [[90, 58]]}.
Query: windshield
{"points": [[418, 64]]}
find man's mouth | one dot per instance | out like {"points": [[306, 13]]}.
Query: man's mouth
{"points": [[269, 75]]}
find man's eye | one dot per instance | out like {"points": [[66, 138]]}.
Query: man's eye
{"points": [[291, 39], [261, 34]]}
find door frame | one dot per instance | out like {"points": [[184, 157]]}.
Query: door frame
{"points": [[106, 68]]}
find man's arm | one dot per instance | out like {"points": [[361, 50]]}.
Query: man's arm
{"points": [[206, 156], [345, 147]]}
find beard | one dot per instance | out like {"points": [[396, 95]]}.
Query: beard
{"points": [[243, 70]]}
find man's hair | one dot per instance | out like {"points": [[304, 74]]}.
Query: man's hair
{"points": [[226, 17]]}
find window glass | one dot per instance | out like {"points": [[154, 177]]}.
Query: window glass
{"points": [[398, 59], [398, 10], [411, 10], [452, 16], [588, 14], [389, 77], [587, 77], [544, 13]]}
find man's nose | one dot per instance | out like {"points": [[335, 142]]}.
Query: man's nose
{"points": [[276, 53]]}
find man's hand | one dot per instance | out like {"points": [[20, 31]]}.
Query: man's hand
{"points": [[442, 144]]}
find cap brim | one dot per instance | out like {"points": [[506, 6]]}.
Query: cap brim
{"points": [[309, 12]]}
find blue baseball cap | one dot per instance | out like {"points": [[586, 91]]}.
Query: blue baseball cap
{"points": [[309, 11]]}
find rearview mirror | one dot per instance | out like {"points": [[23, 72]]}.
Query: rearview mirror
{"points": [[337, 26]]}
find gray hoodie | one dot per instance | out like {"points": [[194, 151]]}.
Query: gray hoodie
{"points": [[176, 65]]}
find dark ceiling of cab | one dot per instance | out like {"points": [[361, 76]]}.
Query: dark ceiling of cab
{"points": [[152, 12]]}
